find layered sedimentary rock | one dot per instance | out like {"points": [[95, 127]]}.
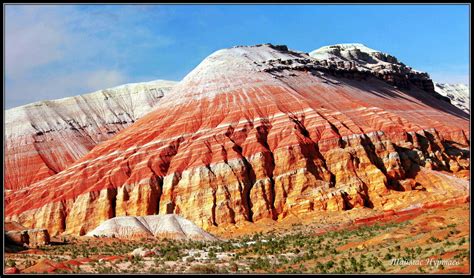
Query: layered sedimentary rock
{"points": [[19, 235], [19, 238], [257, 133], [160, 226], [45, 137], [457, 93], [38, 237], [356, 56]]}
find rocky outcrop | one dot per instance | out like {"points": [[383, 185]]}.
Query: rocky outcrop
{"points": [[261, 133], [142, 252], [18, 235], [43, 138], [19, 238], [160, 226], [38, 237], [356, 56], [457, 93], [11, 270]]}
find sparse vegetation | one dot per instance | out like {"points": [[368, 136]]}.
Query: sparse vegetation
{"points": [[353, 250]]}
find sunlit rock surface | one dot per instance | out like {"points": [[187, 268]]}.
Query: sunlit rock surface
{"points": [[161, 226], [43, 138], [256, 133]]}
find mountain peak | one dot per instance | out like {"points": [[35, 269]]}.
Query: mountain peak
{"points": [[347, 46], [238, 56], [231, 68], [364, 57], [253, 133]]}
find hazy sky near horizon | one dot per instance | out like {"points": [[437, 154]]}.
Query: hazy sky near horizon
{"points": [[55, 51]]}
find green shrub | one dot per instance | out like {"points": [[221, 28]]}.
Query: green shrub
{"points": [[207, 269]]}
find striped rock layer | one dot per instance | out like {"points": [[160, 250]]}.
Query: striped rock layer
{"points": [[382, 65], [261, 132], [161, 226], [43, 138]]}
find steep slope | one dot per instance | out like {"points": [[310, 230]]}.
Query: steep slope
{"points": [[261, 132], [360, 56], [45, 137], [160, 226], [382, 65], [387, 67], [457, 93]]}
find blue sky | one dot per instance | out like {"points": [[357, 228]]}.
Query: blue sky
{"points": [[58, 51]]}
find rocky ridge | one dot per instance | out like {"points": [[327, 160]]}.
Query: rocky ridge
{"points": [[356, 56], [258, 133], [43, 138]]}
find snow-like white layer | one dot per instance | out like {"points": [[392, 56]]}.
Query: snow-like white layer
{"points": [[458, 93], [237, 68], [239, 59], [168, 225], [45, 137], [323, 52], [125, 103], [365, 58]]}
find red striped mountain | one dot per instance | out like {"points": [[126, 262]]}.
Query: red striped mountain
{"points": [[43, 138], [261, 132]]}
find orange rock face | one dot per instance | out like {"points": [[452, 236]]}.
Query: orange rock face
{"points": [[243, 139], [19, 235]]}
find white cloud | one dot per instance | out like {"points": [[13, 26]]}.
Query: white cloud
{"points": [[31, 41], [451, 73], [76, 48], [102, 79], [59, 86], [448, 77]]}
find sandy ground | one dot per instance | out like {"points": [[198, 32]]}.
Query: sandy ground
{"points": [[357, 241]]}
